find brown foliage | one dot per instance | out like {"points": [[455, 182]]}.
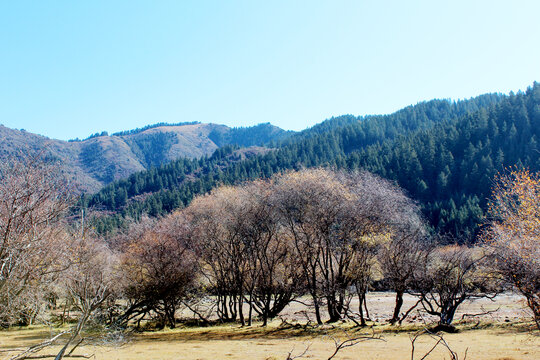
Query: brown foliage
{"points": [[313, 230], [158, 268], [336, 221], [513, 233], [452, 274], [33, 199], [400, 259], [246, 256]]}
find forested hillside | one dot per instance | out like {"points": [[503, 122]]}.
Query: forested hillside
{"points": [[443, 153], [450, 168]]}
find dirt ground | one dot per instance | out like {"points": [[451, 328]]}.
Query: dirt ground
{"points": [[507, 307], [504, 334]]}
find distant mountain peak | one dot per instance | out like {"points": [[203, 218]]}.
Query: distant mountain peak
{"points": [[102, 158]]}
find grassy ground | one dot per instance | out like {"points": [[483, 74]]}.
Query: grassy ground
{"points": [[500, 335], [275, 342]]}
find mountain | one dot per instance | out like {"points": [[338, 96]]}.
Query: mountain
{"points": [[450, 168], [351, 142], [102, 159]]}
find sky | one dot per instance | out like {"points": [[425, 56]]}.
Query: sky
{"points": [[73, 68]]}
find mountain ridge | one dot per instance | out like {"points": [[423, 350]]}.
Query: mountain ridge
{"points": [[101, 158], [335, 143]]}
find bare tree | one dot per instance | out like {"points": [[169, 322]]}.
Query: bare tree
{"points": [[33, 198], [384, 215], [216, 230], [247, 257], [400, 258], [89, 278], [335, 220], [89, 281], [274, 275], [159, 269], [362, 275], [453, 274], [513, 234], [311, 203]]}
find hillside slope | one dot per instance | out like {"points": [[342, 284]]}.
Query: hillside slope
{"points": [[102, 159], [343, 142]]}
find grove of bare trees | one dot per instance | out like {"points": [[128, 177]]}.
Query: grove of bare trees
{"points": [[335, 221], [246, 252]]}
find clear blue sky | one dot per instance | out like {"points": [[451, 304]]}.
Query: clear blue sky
{"points": [[72, 68]]}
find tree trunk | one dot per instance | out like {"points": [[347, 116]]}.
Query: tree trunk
{"points": [[361, 297], [397, 308], [333, 310], [317, 309], [250, 309], [447, 314], [365, 306], [241, 310]]}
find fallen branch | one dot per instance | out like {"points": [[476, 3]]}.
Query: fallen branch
{"points": [[35, 348], [482, 313], [291, 357], [339, 345], [55, 355], [351, 342], [440, 341]]}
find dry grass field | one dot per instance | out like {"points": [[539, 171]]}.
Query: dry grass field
{"points": [[503, 334]]}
